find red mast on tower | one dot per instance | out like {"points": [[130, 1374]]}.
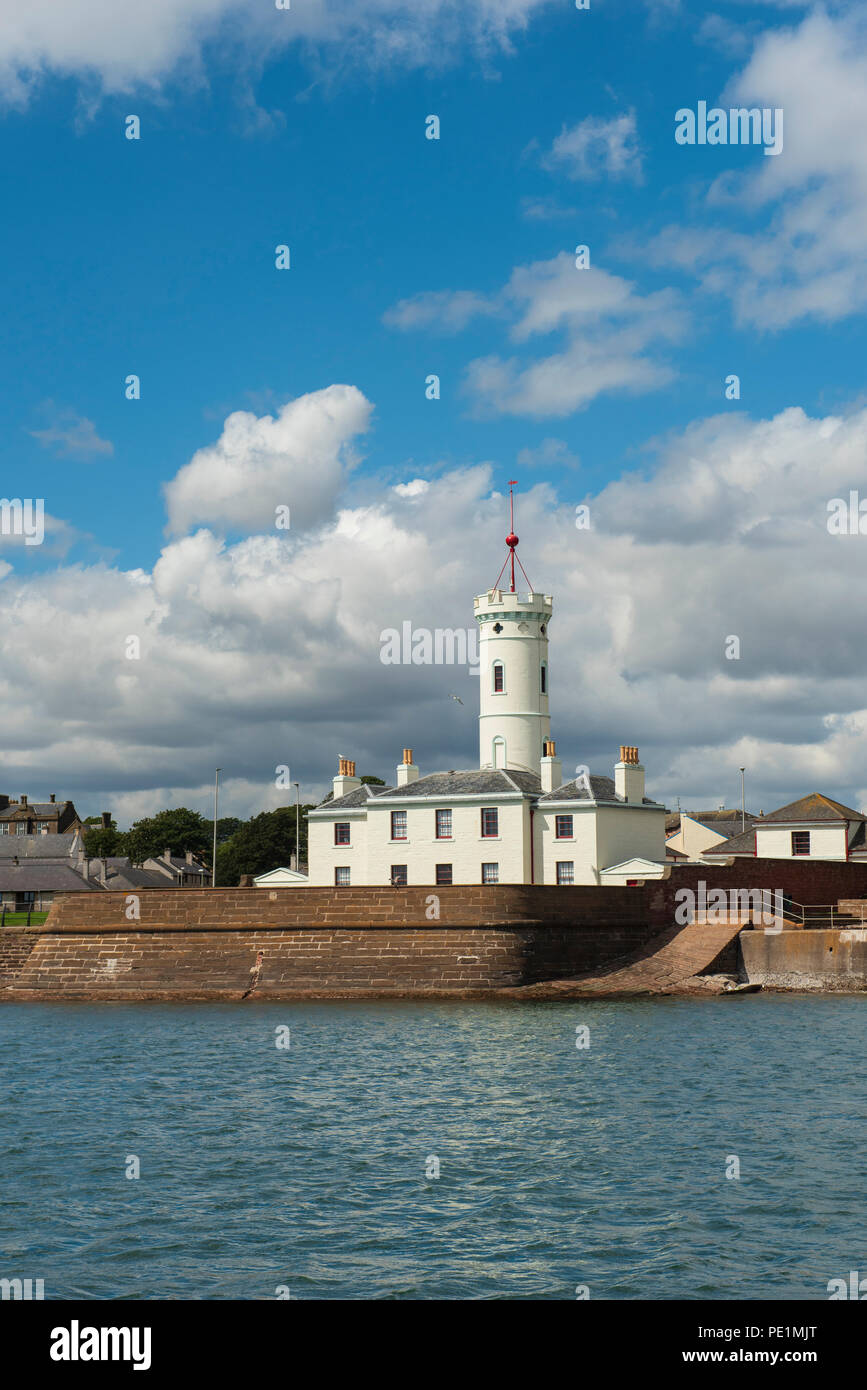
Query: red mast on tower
{"points": [[512, 543]]}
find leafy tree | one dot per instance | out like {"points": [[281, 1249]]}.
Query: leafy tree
{"points": [[373, 781], [227, 826], [178, 829], [264, 842], [102, 842]]}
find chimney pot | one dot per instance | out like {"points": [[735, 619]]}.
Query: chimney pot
{"points": [[53, 796], [24, 801], [407, 755]]}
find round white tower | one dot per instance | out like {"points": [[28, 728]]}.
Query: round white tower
{"points": [[513, 660]]}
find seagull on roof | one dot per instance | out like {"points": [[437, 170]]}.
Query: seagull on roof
{"points": [[455, 697]]}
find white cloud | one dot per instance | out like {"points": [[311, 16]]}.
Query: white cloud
{"points": [[608, 326], [596, 147], [807, 260], [70, 435], [296, 459], [257, 654], [119, 48]]}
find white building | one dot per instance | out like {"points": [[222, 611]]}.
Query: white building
{"points": [[814, 827], [511, 820]]}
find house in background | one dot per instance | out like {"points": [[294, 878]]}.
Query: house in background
{"points": [[35, 868], [179, 871], [27, 817], [689, 833], [815, 827]]}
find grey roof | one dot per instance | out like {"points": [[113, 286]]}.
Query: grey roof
{"points": [[601, 789], [35, 877], [486, 781], [129, 877], [737, 844], [359, 797], [815, 807], [58, 847]]}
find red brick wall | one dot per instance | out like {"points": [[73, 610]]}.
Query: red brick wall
{"points": [[810, 881]]}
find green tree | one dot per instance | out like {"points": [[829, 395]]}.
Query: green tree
{"points": [[178, 829], [102, 842], [264, 842], [373, 781]]}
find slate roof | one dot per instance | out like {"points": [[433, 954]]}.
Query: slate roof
{"points": [[736, 844], [814, 807], [359, 797], [35, 877], [601, 790], [485, 781], [58, 847]]}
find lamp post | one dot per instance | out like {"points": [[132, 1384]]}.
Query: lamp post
{"points": [[743, 803], [298, 827], [214, 858]]}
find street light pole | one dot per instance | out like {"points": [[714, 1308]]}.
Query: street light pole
{"points": [[743, 803], [298, 827], [214, 858]]}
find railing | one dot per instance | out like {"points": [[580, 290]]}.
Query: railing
{"points": [[822, 916], [12, 918]]}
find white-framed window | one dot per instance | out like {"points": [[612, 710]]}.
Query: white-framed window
{"points": [[490, 823], [800, 842], [565, 871], [398, 825], [341, 878], [490, 873], [398, 875], [563, 826], [498, 672], [444, 873], [341, 832], [444, 825]]}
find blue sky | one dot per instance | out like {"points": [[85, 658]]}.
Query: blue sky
{"points": [[156, 257]]}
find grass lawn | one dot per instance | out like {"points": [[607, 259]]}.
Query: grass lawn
{"points": [[19, 919]]}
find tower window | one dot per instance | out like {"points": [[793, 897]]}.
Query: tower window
{"points": [[543, 629], [498, 628], [499, 678], [543, 678]]}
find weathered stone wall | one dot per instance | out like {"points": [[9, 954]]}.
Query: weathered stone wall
{"points": [[817, 960], [202, 943]]}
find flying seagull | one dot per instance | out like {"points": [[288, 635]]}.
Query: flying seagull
{"points": [[455, 697]]}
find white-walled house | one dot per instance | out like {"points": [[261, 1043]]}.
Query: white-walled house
{"points": [[814, 827], [511, 820]]}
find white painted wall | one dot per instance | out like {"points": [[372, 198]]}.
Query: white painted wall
{"points": [[324, 855], [826, 841], [518, 715]]}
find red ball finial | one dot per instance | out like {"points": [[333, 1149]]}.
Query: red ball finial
{"points": [[511, 540]]}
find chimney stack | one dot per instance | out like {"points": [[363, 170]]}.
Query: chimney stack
{"points": [[406, 771], [53, 797], [24, 801], [346, 780], [629, 776], [552, 769]]}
